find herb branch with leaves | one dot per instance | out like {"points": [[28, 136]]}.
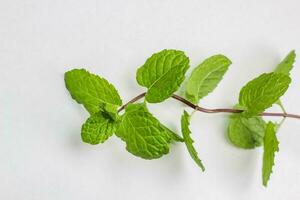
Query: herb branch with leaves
{"points": [[162, 74]]}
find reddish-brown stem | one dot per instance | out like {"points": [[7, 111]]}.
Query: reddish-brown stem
{"points": [[138, 97], [207, 110]]}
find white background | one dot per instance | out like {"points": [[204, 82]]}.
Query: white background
{"points": [[42, 156]]}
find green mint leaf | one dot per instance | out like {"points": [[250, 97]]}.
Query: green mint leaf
{"points": [[92, 91], [162, 74], [205, 78], [98, 128], [270, 147], [246, 133], [262, 92], [175, 137], [142, 106], [286, 65], [185, 122], [145, 137]]}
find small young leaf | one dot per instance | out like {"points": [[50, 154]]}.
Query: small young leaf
{"points": [[98, 128], [246, 133], [109, 109], [286, 65], [162, 74], [145, 137], [262, 92], [205, 78], [270, 147], [91, 90], [185, 122]]}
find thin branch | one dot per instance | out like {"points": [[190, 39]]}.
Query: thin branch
{"points": [[207, 110], [132, 101]]}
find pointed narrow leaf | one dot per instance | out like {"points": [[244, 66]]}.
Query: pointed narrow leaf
{"points": [[270, 147], [286, 65], [185, 122]]}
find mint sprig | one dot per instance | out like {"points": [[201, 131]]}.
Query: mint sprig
{"points": [[162, 74]]}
